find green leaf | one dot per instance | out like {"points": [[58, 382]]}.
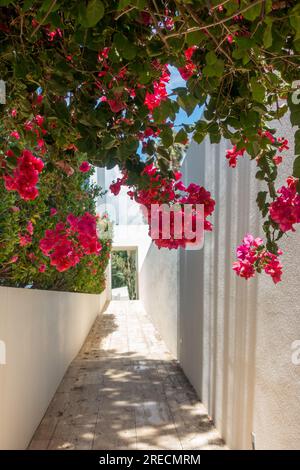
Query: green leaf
{"points": [[123, 4], [92, 14], [215, 70], [127, 49], [211, 58], [27, 4], [139, 4], [188, 103], [181, 136], [261, 201], [294, 19], [296, 167], [267, 37], [297, 142], [195, 38], [260, 175], [258, 90], [294, 106], [166, 136], [166, 109], [253, 12]]}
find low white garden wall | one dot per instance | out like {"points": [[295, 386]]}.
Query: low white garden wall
{"points": [[41, 333]]}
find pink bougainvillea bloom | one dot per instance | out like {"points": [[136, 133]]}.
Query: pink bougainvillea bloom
{"points": [[14, 259], [25, 176], [39, 120], [28, 126], [284, 144], [177, 175], [15, 209], [29, 227], [15, 135], [40, 143], [42, 268], [188, 70], [24, 239], [277, 159], [13, 113], [116, 105], [31, 256], [190, 51], [232, 154], [103, 54], [269, 136], [53, 211], [115, 186], [273, 267], [169, 23], [285, 210], [84, 167], [69, 242], [153, 100], [163, 191], [253, 257]]}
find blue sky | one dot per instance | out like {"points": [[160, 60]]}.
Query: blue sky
{"points": [[182, 118]]}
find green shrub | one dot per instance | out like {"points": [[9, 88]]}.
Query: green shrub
{"points": [[21, 266]]}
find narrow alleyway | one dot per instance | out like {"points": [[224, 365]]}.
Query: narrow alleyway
{"points": [[124, 391]]}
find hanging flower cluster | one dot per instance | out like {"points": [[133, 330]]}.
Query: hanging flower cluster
{"points": [[280, 143], [153, 100], [69, 242], [254, 257], [285, 210], [189, 68], [167, 193], [233, 154]]}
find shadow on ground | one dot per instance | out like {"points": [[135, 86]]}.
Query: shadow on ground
{"points": [[125, 391]]}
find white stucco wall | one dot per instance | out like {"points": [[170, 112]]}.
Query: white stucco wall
{"points": [[235, 339], [277, 388], [236, 335], [42, 332]]}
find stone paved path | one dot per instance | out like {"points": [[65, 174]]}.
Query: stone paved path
{"points": [[125, 391]]}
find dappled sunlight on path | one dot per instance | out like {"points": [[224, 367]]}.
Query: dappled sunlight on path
{"points": [[125, 391]]}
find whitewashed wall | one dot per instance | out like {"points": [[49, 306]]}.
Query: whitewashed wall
{"points": [[42, 331], [236, 335], [238, 341]]}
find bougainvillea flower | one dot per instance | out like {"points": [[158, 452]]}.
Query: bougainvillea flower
{"points": [[53, 211], [69, 242], [25, 176], [85, 167], [254, 257], [285, 210]]}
